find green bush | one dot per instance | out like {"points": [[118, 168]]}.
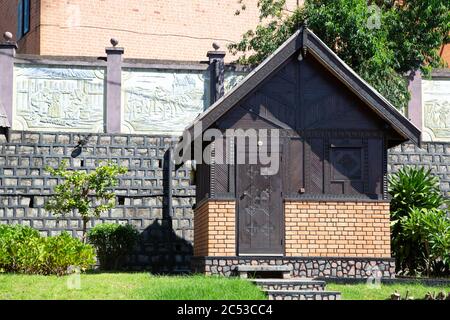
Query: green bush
{"points": [[418, 222], [113, 242], [414, 188], [23, 250], [428, 230]]}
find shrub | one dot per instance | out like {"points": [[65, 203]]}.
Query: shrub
{"points": [[88, 193], [23, 250], [414, 188], [428, 231], [416, 200], [14, 241], [113, 242]]}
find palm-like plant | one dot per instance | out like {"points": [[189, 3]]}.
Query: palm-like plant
{"points": [[413, 189]]}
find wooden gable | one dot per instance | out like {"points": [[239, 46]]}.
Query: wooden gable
{"points": [[336, 129], [286, 81]]}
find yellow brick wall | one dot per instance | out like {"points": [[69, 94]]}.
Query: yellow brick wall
{"points": [[156, 29], [344, 229], [214, 229]]}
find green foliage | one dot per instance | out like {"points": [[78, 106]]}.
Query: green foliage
{"points": [[129, 286], [428, 233], [112, 242], [420, 230], [23, 250], [89, 193], [414, 188], [382, 44]]}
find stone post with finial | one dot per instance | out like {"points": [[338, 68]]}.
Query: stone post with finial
{"points": [[217, 69], [8, 49], [114, 87]]}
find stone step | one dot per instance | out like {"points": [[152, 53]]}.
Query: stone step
{"points": [[290, 284], [244, 270], [302, 295]]}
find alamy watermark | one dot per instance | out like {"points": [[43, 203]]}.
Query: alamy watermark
{"points": [[74, 278], [374, 20], [374, 277], [231, 146]]}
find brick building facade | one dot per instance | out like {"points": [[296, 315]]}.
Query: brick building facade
{"points": [[170, 30], [326, 244], [327, 200]]}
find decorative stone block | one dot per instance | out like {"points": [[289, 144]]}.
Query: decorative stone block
{"points": [[59, 99]]}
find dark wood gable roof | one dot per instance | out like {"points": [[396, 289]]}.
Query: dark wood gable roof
{"points": [[307, 41]]}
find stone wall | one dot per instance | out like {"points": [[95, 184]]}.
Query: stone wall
{"points": [[310, 267], [432, 155], [143, 199], [339, 229], [167, 237], [215, 229]]}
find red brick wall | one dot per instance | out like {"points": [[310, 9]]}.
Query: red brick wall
{"points": [[157, 29], [214, 229], [30, 43], [344, 229]]}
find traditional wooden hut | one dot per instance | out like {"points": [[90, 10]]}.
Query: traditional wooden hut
{"points": [[325, 212]]}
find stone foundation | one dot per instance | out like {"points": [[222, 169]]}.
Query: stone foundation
{"points": [[309, 267]]}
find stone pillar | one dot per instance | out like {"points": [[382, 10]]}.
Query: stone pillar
{"points": [[7, 53], [415, 103], [217, 68], [114, 88]]}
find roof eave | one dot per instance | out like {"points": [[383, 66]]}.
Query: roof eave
{"points": [[362, 89]]}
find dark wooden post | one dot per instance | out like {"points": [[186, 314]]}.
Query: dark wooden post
{"points": [[7, 53], [217, 68], [114, 88]]}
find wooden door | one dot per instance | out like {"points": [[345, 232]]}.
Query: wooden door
{"points": [[260, 210]]}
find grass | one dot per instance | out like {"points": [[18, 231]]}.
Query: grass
{"points": [[363, 292], [127, 286], [142, 286]]}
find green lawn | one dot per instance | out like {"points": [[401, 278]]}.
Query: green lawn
{"points": [[120, 286], [363, 292]]}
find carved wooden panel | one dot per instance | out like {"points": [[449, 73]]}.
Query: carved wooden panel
{"points": [[260, 211], [315, 166], [346, 163]]}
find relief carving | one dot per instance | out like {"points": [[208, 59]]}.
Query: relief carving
{"points": [[59, 99], [436, 110], [232, 79], [162, 102]]}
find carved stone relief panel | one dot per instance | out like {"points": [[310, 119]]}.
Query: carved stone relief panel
{"points": [[436, 110], [59, 98], [162, 101], [232, 78]]}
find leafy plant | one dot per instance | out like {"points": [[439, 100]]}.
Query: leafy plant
{"points": [[428, 232], [113, 242], [382, 44], [89, 193], [418, 227], [24, 250], [414, 188]]}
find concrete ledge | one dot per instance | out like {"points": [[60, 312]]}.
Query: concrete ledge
{"points": [[290, 284], [302, 295], [244, 270], [262, 268]]}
